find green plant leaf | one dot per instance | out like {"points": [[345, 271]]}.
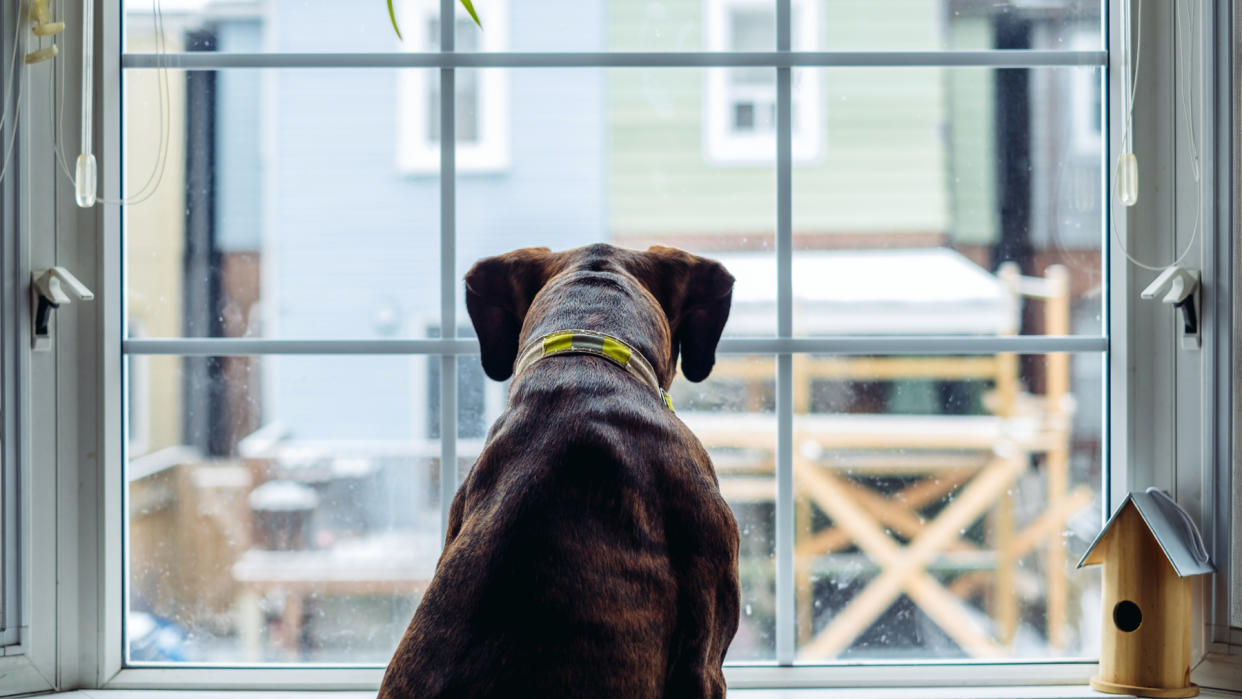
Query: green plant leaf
{"points": [[469, 8], [393, 16]]}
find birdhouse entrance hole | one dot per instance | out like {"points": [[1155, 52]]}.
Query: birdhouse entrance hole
{"points": [[1127, 615]]}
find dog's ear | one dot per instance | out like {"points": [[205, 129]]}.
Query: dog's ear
{"points": [[696, 294], [499, 291]]}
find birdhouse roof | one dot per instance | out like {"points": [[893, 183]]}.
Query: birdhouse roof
{"points": [[1170, 526]]}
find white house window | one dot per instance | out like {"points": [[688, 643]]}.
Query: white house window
{"points": [[481, 109], [740, 104]]}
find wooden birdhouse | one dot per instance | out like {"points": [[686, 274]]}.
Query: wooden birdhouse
{"points": [[1149, 549]]}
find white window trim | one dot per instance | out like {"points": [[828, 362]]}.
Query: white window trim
{"points": [[722, 145], [79, 423], [417, 154]]}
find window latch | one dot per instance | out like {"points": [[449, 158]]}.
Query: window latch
{"points": [[50, 288], [1180, 287]]}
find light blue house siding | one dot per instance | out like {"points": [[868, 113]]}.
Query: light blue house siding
{"points": [[238, 199]]}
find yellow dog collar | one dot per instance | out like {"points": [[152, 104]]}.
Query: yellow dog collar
{"points": [[598, 344]]}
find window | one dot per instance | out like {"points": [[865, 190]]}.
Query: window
{"points": [[481, 106], [740, 114], [298, 439], [938, 271]]}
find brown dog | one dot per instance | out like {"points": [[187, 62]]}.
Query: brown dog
{"points": [[589, 552]]}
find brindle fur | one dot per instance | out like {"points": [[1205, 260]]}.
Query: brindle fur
{"points": [[589, 552]]}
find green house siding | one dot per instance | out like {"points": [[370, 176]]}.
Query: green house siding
{"points": [[884, 25], [883, 160], [882, 168], [659, 181]]}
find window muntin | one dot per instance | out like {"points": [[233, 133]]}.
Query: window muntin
{"points": [[764, 641]]}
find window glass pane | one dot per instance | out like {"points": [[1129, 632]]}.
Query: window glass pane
{"points": [[941, 504], [648, 178], [277, 515], [931, 25], [918, 185], [280, 214]]}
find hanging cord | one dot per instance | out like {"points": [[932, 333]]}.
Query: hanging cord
{"points": [[156, 176], [12, 77], [1184, 72]]}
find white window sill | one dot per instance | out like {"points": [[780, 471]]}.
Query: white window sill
{"points": [[1056, 692]]}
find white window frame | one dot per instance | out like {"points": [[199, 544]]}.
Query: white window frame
{"points": [[416, 153], [75, 437], [10, 355], [33, 553], [1184, 445], [722, 143]]}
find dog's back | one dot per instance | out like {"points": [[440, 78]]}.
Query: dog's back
{"points": [[576, 561], [560, 580]]}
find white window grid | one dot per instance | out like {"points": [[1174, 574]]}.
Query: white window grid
{"points": [[784, 345]]}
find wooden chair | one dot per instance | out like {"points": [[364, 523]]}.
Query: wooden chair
{"points": [[977, 458]]}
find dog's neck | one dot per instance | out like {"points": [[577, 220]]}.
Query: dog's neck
{"points": [[607, 303]]}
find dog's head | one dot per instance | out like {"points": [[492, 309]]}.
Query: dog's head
{"points": [[694, 294]]}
